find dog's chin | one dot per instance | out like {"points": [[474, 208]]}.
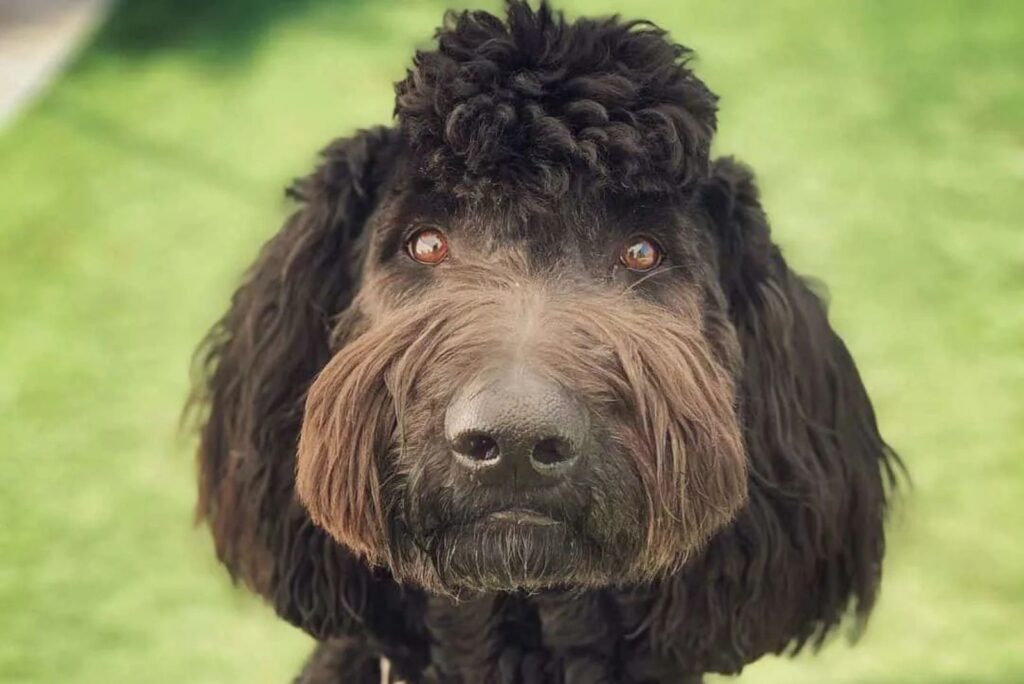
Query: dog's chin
{"points": [[517, 551]]}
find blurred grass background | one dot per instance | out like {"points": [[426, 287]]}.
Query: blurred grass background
{"points": [[888, 140]]}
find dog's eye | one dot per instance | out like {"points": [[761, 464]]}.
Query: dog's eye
{"points": [[428, 246], [640, 254]]}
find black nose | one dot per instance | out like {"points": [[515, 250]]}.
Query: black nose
{"points": [[516, 428]]}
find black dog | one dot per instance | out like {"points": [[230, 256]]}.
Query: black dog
{"points": [[524, 392]]}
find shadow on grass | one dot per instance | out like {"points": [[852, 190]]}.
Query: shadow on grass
{"points": [[215, 30], [133, 141]]}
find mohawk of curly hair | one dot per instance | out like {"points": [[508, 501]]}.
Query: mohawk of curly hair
{"points": [[537, 104]]}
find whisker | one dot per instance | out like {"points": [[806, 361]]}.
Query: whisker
{"points": [[650, 275]]}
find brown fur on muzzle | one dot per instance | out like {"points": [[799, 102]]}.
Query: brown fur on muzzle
{"points": [[646, 371]]}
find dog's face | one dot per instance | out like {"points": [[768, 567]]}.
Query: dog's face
{"points": [[519, 403], [535, 383]]}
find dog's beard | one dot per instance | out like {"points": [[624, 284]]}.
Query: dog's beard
{"points": [[493, 555], [455, 546]]}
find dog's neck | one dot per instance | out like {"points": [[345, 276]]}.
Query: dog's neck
{"points": [[552, 636]]}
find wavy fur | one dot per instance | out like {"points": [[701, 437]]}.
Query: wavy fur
{"points": [[744, 513]]}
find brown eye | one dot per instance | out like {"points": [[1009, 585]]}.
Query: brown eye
{"points": [[642, 254], [429, 246]]}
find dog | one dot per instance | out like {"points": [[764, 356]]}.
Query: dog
{"points": [[524, 391]]}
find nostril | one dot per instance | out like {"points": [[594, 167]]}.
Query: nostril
{"points": [[551, 451], [477, 446]]}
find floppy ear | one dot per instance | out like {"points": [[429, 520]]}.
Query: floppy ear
{"points": [[807, 548], [257, 363]]}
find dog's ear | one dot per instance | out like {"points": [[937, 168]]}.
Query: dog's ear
{"points": [[255, 367], [808, 546]]}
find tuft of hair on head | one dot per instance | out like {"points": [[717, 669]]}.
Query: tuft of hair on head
{"points": [[537, 106]]}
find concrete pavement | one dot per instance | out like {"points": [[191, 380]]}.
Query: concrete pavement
{"points": [[36, 39]]}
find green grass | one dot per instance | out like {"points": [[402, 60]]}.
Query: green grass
{"points": [[889, 144]]}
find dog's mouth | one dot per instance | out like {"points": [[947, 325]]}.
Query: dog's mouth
{"points": [[506, 519], [521, 516], [507, 546], [494, 512], [489, 539]]}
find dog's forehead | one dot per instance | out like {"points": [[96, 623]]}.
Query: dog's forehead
{"points": [[569, 230]]}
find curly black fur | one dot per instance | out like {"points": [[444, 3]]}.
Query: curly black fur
{"points": [[537, 107], [536, 117]]}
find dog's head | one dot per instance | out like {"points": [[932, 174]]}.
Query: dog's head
{"points": [[531, 336], [535, 382]]}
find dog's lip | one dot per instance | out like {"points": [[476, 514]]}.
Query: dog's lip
{"points": [[522, 516]]}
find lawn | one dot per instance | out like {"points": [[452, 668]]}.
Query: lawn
{"points": [[889, 141]]}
